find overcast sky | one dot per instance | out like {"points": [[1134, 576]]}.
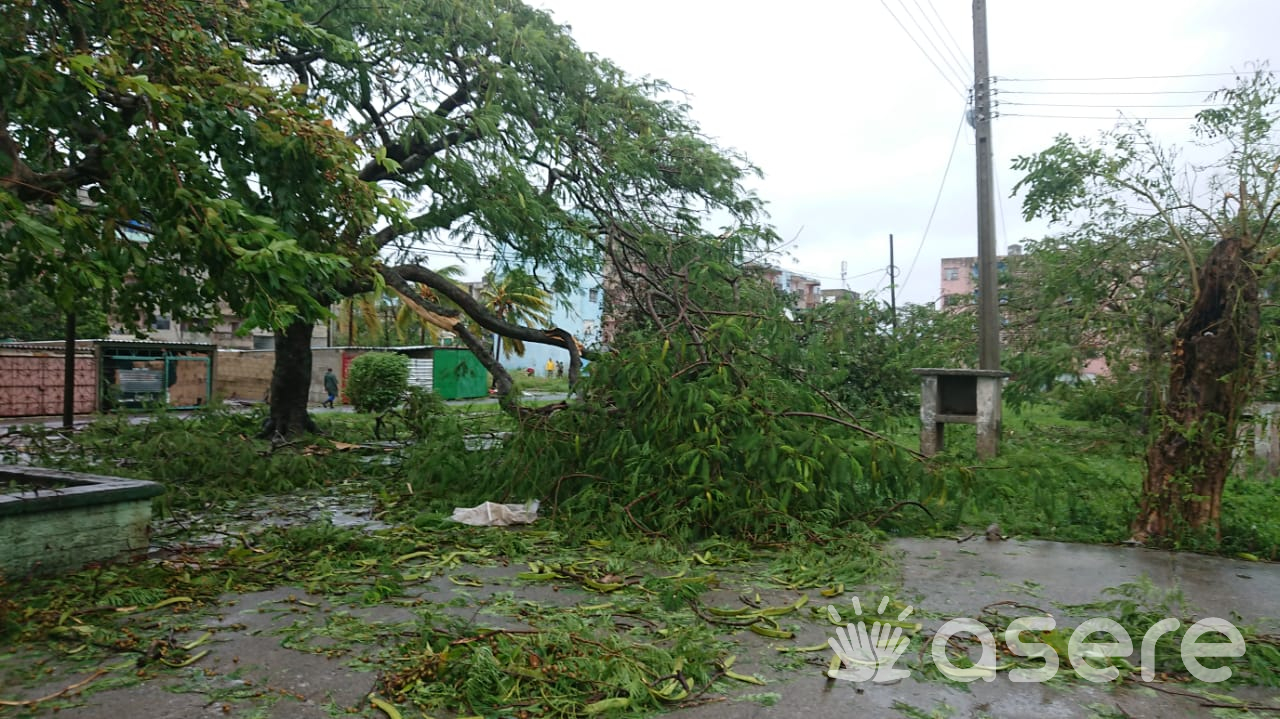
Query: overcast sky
{"points": [[853, 125]]}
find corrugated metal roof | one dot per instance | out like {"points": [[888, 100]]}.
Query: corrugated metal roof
{"points": [[87, 345]]}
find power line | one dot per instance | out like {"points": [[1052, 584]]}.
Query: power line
{"points": [[936, 200], [814, 275], [927, 56], [959, 52], [1117, 79], [1090, 117], [1116, 105], [1106, 92], [1004, 228], [960, 74]]}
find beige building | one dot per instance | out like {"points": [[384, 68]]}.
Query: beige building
{"points": [[829, 296], [223, 332]]}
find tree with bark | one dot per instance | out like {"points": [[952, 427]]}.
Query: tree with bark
{"points": [[1213, 349], [131, 136], [502, 139]]}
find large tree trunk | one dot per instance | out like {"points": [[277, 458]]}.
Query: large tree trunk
{"points": [[291, 383], [1212, 371]]}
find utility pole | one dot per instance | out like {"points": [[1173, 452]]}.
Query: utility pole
{"points": [[893, 288], [988, 302]]}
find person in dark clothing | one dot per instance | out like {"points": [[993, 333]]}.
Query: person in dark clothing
{"points": [[330, 387]]}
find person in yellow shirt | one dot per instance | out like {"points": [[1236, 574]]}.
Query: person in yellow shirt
{"points": [[551, 367]]}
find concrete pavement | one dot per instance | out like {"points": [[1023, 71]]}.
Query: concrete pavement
{"points": [[257, 667]]}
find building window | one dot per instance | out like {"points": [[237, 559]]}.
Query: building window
{"points": [[951, 274], [588, 327], [593, 295]]}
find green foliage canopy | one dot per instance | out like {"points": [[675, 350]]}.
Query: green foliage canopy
{"points": [[713, 413], [143, 159]]}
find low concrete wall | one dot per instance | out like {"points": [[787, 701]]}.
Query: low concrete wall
{"points": [[58, 521], [243, 374], [246, 374]]}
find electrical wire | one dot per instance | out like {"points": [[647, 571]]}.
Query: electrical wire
{"points": [[1004, 228], [1116, 105], [1117, 79], [955, 142], [960, 53], [958, 74], [961, 89], [1091, 117], [816, 276], [1107, 92]]}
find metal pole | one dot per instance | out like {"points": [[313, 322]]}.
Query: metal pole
{"points": [[988, 302], [893, 287], [69, 372]]}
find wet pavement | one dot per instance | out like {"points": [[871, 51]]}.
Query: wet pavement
{"points": [[271, 656], [944, 579]]}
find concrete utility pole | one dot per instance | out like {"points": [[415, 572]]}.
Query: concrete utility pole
{"points": [[988, 302]]}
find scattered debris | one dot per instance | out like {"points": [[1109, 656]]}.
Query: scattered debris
{"points": [[492, 514]]}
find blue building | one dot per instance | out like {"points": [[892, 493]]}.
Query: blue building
{"points": [[580, 314]]}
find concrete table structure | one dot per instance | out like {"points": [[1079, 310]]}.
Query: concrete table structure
{"points": [[960, 396]]}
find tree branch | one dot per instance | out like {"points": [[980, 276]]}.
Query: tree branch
{"points": [[436, 218], [399, 278]]}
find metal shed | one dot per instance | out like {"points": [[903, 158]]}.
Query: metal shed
{"points": [[457, 374], [451, 372]]}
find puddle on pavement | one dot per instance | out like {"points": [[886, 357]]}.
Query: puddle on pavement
{"points": [[215, 527]]}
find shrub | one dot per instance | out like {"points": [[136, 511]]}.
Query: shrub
{"points": [[1103, 401], [377, 381]]}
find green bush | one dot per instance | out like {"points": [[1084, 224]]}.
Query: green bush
{"points": [[377, 381], [1102, 401]]}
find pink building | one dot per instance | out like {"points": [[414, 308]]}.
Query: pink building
{"points": [[959, 287], [806, 290], [959, 279]]}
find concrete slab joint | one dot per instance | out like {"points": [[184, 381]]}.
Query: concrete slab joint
{"points": [[960, 396]]}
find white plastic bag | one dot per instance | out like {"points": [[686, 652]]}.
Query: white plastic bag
{"points": [[492, 514]]}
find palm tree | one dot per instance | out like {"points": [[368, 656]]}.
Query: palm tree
{"points": [[375, 318], [517, 298]]}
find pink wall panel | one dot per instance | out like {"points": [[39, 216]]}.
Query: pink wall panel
{"points": [[31, 385]]}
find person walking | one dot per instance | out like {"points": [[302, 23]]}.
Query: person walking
{"points": [[551, 367], [330, 387]]}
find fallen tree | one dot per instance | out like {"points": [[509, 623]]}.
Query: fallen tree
{"points": [[512, 142]]}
